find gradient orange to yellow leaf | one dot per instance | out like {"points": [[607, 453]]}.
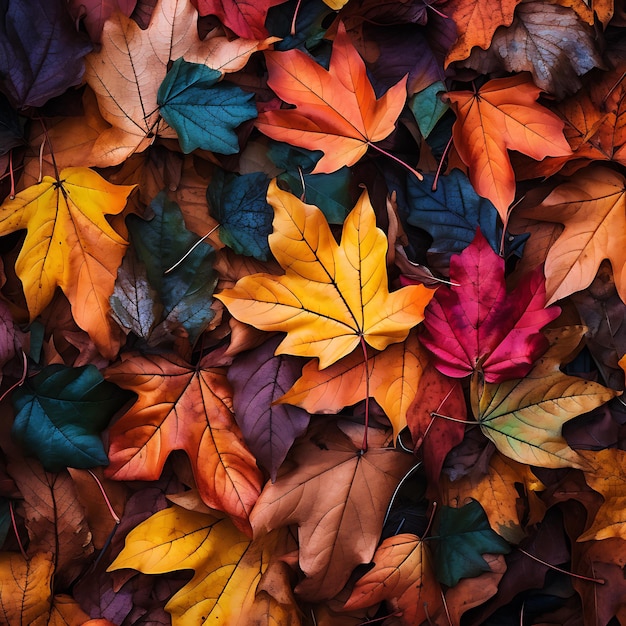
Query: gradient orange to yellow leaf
{"points": [[69, 244], [330, 295]]}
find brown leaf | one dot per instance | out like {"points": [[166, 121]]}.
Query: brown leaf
{"points": [[54, 517], [545, 39], [338, 496]]}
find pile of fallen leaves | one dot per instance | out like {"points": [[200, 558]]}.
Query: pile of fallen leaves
{"points": [[312, 313]]}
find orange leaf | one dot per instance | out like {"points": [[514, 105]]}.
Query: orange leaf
{"points": [[503, 115], [608, 478], [336, 109], [476, 22], [331, 296], [394, 375], [25, 589], [592, 207], [181, 407], [403, 576]]}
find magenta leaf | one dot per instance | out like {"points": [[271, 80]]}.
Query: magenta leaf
{"points": [[258, 378], [476, 325]]}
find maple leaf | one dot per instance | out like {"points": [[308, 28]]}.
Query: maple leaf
{"points": [[497, 492], [227, 565], [476, 23], [503, 115], [336, 110], [331, 295], [608, 479], [245, 18], [337, 495], [592, 207], [171, 393], [475, 325], [70, 244], [403, 576], [524, 417], [547, 40], [127, 73], [394, 375]]}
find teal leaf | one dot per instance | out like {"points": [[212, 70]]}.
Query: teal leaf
{"points": [[329, 192], [427, 107], [461, 536], [203, 111], [292, 158], [239, 204], [60, 412], [160, 243], [5, 519]]}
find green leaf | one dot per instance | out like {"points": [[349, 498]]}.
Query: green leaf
{"points": [[461, 536], [239, 204], [203, 111], [186, 291], [428, 108], [60, 412]]}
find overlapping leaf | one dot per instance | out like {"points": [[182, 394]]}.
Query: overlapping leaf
{"points": [[337, 496], [592, 207], [330, 295], [524, 418], [336, 110], [503, 115], [180, 407], [475, 325], [70, 244]]}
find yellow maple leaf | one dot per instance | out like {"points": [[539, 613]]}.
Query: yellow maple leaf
{"points": [[228, 565], [69, 244], [331, 295]]}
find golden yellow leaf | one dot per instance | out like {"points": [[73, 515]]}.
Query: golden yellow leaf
{"points": [[69, 244], [227, 565], [331, 295]]}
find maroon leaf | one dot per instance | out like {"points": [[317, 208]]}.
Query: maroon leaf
{"points": [[476, 325]]}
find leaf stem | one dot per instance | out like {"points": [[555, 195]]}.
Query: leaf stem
{"points": [[114, 515], [397, 160], [453, 419], [54, 161], [292, 31], [599, 581], [17, 535], [367, 394], [441, 160], [20, 382], [195, 245], [12, 192]]}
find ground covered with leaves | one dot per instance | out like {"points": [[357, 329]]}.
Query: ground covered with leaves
{"points": [[312, 313]]}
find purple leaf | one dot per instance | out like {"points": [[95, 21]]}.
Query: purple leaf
{"points": [[258, 378], [41, 52]]}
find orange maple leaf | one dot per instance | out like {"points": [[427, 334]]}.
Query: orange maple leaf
{"points": [[336, 109], [592, 207], [181, 407], [476, 22], [331, 296], [503, 115]]}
